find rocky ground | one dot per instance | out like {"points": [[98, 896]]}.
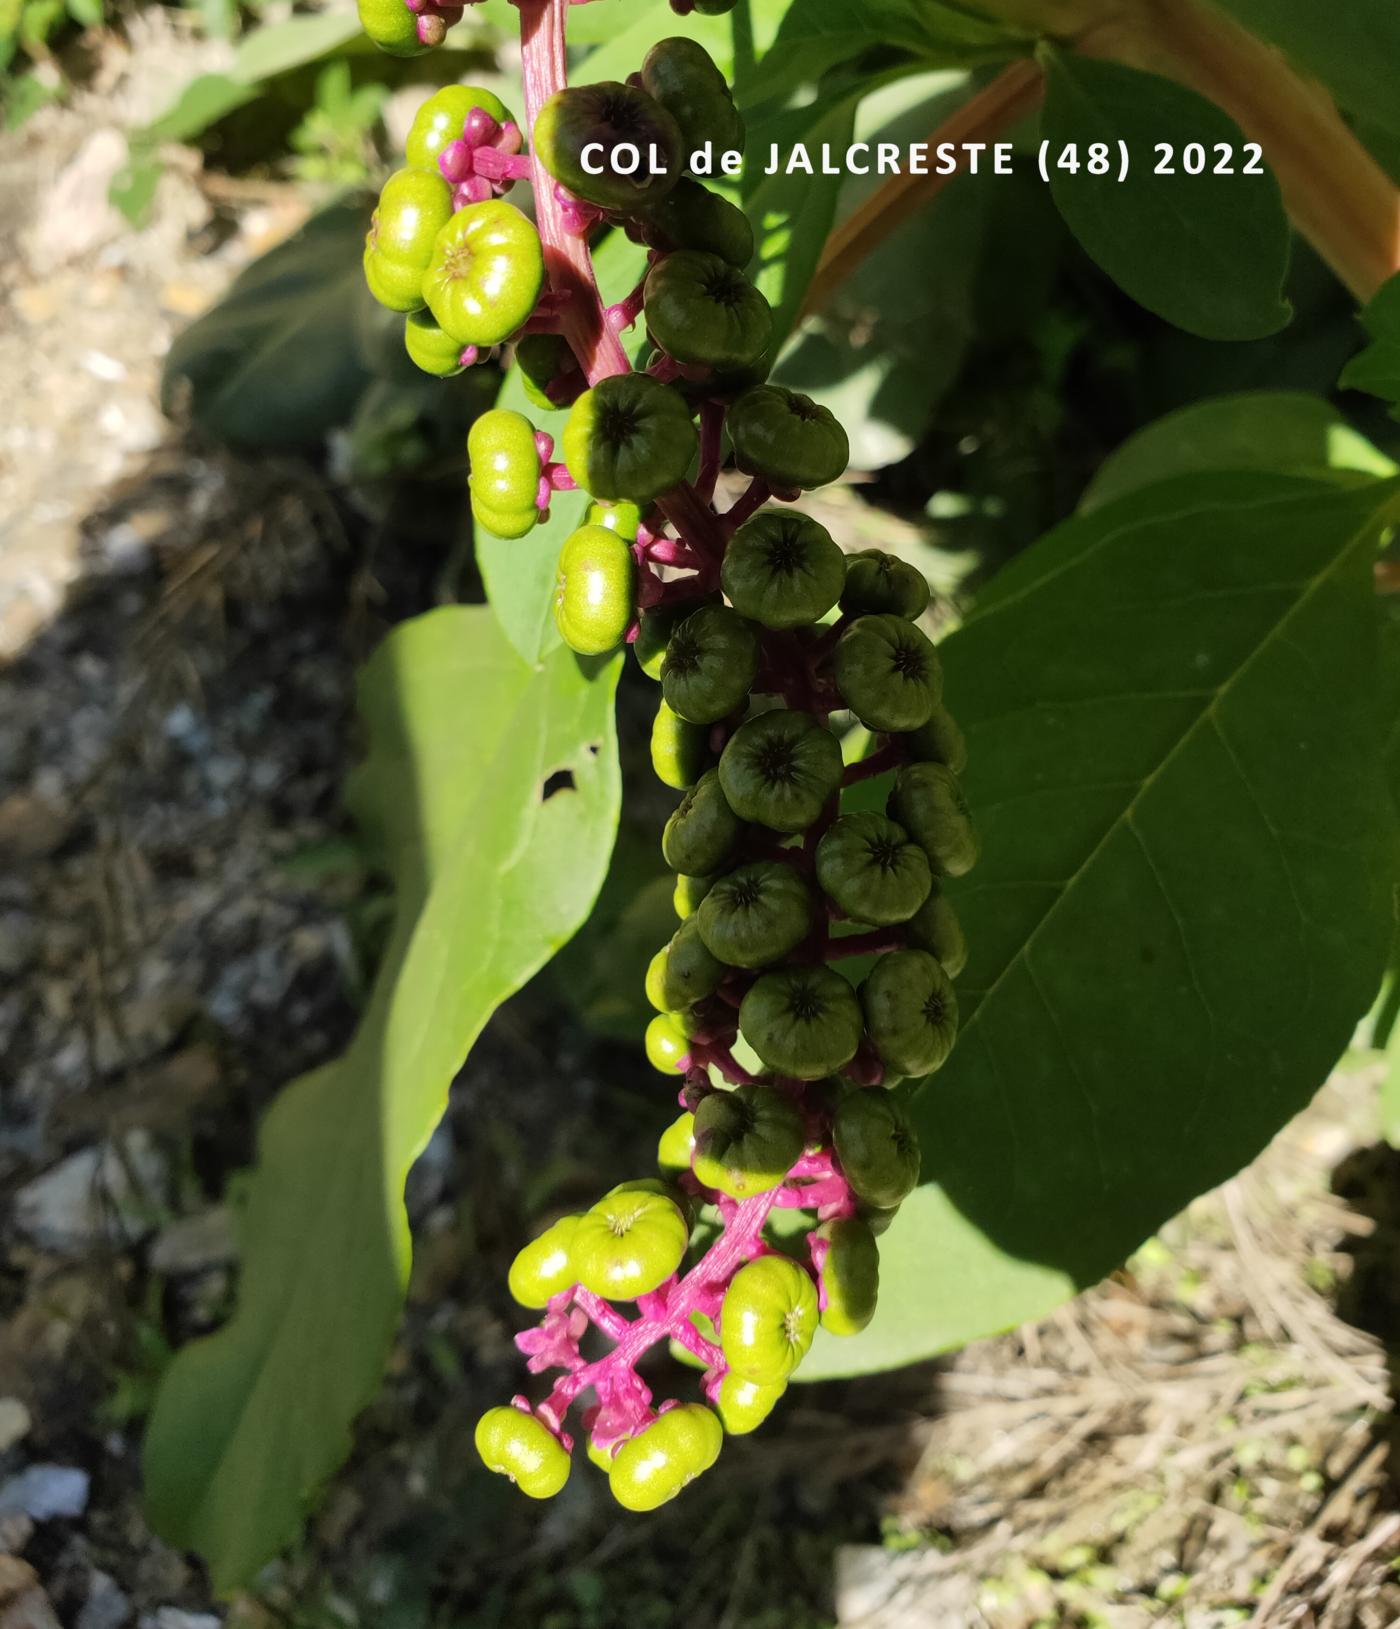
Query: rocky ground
{"points": [[1204, 1440]]}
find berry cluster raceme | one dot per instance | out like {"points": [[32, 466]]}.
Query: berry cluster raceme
{"points": [[760, 632]]}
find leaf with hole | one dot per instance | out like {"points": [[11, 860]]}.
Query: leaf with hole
{"points": [[1208, 251], [1184, 900], [495, 821]]}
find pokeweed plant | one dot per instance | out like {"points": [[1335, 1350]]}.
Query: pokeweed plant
{"points": [[1171, 715]]}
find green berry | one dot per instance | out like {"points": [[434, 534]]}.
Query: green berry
{"points": [[691, 216], [802, 1021], [676, 1145], [876, 1146], [786, 438], [767, 1320], [544, 1267], [705, 312], [519, 1446], [747, 1140], [441, 118], [414, 206], [505, 472], [910, 1011], [756, 914], [869, 867], [392, 27], [745, 1404], [880, 583], [654, 630], [782, 570], [928, 802], [617, 118], [629, 1243], [688, 893], [431, 349], [629, 437], [675, 1448], [594, 590], [679, 749], [667, 1043], [779, 769], [541, 359], [681, 75], [849, 1276], [939, 741], [934, 927], [888, 673], [688, 972], [711, 661], [623, 518], [701, 834], [485, 274]]}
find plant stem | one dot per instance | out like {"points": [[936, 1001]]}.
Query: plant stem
{"points": [[1014, 93], [566, 258]]}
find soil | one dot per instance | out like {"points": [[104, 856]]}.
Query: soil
{"points": [[1205, 1439]]}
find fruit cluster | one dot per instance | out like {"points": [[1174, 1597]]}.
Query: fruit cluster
{"points": [[768, 643]]}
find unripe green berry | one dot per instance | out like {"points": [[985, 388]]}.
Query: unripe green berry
{"points": [[441, 118], [802, 1021], [711, 661], [705, 312], [887, 672], [679, 749], [928, 802], [428, 347], [782, 569], [681, 75], [691, 216], [667, 1043], [505, 472], [594, 590], [519, 1446], [654, 630], [544, 1267], [868, 866], [745, 1404], [939, 741], [881, 583], [629, 437], [849, 1276], [612, 115], [688, 893], [702, 833], [747, 1140], [687, 971], [910, 1011], [779, 769], [677, 1143], [485, 274], [934, 927], [756, 914], [629, 1243], [876, 1146], [786, 438], [768, 1319], [675, 1448]]}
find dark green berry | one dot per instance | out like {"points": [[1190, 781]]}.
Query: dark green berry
{"points": [[779, 769], [910, 1011], [868, 866], [701, 835], [756, 914], [710, 663], [802, 1021], [782, 569]]}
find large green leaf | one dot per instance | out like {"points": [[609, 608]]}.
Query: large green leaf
{"points": [[817, 35], [1286, 431], [1184, 900], [1208, 252], [276, 363], [1353, 48], [491, 795], [1377, 368]]}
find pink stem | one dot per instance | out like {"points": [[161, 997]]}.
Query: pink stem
{"points": [[889, 756], [544, 70], [757, 495]]}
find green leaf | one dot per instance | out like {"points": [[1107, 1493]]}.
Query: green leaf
{"points": [[203, 102], [494, 868], [1183, 904], [1207, 252], [1354, 49], [1285, 431], [792, 214], [275, 363], [817, 35], [1377, 369], [275, 48]]}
